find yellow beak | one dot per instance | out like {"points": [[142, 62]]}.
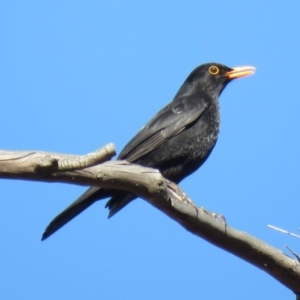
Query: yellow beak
{"points": [[238, 72]]}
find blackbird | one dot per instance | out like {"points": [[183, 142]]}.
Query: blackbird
{"points": [[176, 141]]}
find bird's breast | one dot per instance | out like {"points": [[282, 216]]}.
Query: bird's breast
{"points": [[202, 136]]}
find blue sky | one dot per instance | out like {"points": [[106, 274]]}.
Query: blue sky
{"points": [[76, 75]]}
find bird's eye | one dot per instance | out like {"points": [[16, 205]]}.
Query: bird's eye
{"points": [[213, 70]]}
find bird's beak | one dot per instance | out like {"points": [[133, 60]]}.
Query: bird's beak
{"points": [[238, 72]]}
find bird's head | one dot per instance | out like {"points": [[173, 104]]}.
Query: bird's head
{"points": [[212, 78]]}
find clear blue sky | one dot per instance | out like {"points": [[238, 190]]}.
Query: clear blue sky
{"points": [[75, 75]]}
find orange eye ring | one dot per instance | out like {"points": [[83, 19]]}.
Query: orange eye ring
{"points": [[213, 70]]}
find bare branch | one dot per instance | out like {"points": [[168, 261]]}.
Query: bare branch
{"points": [[164, 195], [37, 163]]}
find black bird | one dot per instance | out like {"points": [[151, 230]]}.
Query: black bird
{"points": [[177, 141]]}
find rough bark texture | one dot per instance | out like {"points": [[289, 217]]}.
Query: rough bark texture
{"points": [[152, 187]]}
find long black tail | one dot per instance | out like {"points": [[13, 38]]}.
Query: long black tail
{"points": [[83, 202]]}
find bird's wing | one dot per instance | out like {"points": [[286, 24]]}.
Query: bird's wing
{"points": [[168, 122]]}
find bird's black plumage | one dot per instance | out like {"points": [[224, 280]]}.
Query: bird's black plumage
{"points": [[177, 140]]}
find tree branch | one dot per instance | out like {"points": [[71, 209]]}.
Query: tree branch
{"points": [[151, 186]]}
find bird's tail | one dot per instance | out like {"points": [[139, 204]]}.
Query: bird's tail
{"points": [[117, 202], [83, 202]]}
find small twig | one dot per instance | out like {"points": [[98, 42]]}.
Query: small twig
{"points": [[294, 253], [284, 231], [91, 159]]}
